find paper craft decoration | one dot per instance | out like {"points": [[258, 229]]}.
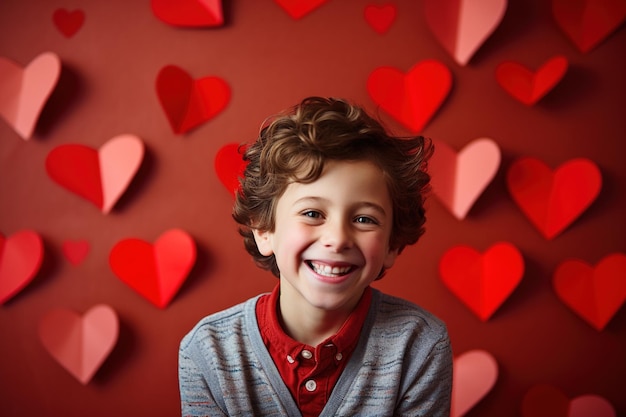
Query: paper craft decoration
{"points": [[68, 23], [588, 22], [98, 175], [25, 91], [21, 255], [229, 167], [553, 200], [156, 271], [412, 98], [75, 251], [529, 87], [80, 344], [458, 179], [547, 401], [189, 13], [187, 102], [297, 9], [474, 374], [482, 281], [380, 18], [462, 26], [594, 293]]}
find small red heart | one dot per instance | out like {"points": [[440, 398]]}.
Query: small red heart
{"points": [[21, 255], [553, 200], [544, 400], [380, 18], [189, 13], [482, 281], [68, 22], [594, 293], [588, 22], [297, 9], [529, 87], [75, 251], [188, 102], [156, 271], [230, 166], [414, 97]]}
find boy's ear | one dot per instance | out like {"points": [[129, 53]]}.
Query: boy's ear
{"points": [[263, 242], [390, 259]]}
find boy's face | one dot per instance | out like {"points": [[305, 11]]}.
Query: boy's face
{"points": [[331, 236]]}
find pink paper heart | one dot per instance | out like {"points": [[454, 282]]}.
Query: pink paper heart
{"points": [[21, 255], [458, 179], [80, 344], [544, 400], [462, 26], [474, 375], [25, 91], [75, 251]]}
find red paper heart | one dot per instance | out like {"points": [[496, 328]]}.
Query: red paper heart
{"points": [[230, 166], [156, 271], [414, 97], [588, 22], [189, 13], [80, 344], [68, 23], [75, 251], [482, 281], [529, 87], [188, 102], [299, 8], [594, 293], [380, 18], [21, 255], [547, 401], [553, 200]]}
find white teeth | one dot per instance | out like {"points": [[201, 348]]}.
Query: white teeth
{"points": [[329, 271]]}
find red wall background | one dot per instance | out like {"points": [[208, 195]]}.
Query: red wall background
{"points": [[271, 61]]}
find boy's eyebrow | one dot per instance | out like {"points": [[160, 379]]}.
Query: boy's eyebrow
{"points": [[368, 204]]}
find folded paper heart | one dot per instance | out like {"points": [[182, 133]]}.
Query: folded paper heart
{"points": [[380, 18], [595, 293], [547, 401], [529, 87], [297, 9], [68, 23], [229, 166], [75, 251], [482, 281], [588, 22], [21, 255], [189, 13], [98, 175], [553, 200], [156, 271], [474, 374], [463, 26], [458, 179], [187, 102], [80, 344], [25, 91], [412, 98]]}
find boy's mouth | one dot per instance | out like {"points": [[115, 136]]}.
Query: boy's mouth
{"points": [[328, 270]]}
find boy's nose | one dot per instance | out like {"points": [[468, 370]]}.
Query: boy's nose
{"points": [[337, 236]]}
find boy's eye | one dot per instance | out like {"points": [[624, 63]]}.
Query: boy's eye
{"points": [[312, 214], [365, 220]]}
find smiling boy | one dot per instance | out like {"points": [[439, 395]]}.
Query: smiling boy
{"points": [[327, 202]]}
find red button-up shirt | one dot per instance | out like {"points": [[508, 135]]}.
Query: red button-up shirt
{"points": [[309, 372]]}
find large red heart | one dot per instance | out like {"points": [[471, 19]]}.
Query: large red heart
{"points": [[527, 86], [98, 175], [68, 22], [156, 271], [189, 13], [21, 255], [187, 102], [230, 166], [547, 401], [482, 281], [553, 200], [80, 343], [380, 18], [594, 293], [588, 22], [414, 97], [299, 8]]}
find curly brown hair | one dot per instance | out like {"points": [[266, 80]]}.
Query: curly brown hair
{"points": [[294, 146]]}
